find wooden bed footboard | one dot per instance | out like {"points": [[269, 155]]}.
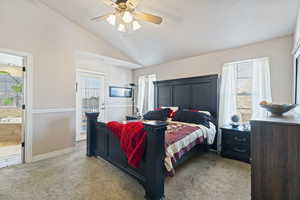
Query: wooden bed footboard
{"points": [[101, 142]]}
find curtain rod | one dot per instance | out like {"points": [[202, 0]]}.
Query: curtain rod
{"points": [[246, 61]]}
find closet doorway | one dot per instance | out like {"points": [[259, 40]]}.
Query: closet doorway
{"points": [[89, 98]]}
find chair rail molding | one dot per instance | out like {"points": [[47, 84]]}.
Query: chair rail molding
{"points": [[53, 110]]}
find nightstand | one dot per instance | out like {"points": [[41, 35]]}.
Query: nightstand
{"points": [[236, 143], [129, 118]]}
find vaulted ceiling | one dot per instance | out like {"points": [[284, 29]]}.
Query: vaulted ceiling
{"points": [[190, 27]]}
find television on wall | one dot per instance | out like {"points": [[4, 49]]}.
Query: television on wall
{"points": [[120, 92]]}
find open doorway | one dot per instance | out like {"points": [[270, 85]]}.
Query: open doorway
{"points": [[89, 98], [11, 109]]}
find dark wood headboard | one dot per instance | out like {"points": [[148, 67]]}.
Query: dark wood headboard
{"points": [[201, 93]]}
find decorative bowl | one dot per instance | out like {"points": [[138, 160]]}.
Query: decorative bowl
{"points": [[277, 109]]}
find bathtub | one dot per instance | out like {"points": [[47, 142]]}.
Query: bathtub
{"points": [[11, 120], [10, 130]]}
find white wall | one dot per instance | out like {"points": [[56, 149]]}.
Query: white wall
{"points": [[278, 50], [297, 31], [29, 26], [116, 108]]}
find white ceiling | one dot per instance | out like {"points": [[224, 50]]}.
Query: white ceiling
{"points": [[190, 27]]}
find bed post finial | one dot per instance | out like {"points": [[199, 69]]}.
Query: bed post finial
{"points": [[91, 130]]}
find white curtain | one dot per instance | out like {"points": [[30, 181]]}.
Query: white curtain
{"points": [[228, 105], [141, 93], [146, 93], [151, 79], [261, 87]]}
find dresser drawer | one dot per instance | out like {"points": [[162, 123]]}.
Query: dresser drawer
{"points": [[235, 138]]}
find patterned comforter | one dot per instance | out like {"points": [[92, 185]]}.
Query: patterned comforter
{"points": [[181, 137]]}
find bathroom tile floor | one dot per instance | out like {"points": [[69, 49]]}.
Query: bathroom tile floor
{"points": [[10, 155]]}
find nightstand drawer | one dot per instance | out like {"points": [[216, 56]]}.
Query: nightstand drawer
{"points": [[236, 148], [236, 155], [236, 138]]}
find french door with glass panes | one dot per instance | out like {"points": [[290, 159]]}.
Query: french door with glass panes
{"points": [[12, 110], [89, 98]]}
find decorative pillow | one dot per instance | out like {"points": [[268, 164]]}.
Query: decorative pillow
{"points": [[172, 112], [192, 117], [166, 111], [160, 115]]}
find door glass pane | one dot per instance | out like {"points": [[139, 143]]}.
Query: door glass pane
{"points": [[90, 98], [11, 86]]}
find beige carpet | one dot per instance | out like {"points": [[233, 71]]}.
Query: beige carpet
{"points": [[77, 177]]}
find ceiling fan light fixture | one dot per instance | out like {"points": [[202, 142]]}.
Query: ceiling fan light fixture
{"points": [[127, 17], [111, 19], [136, 25], [121, 28]]}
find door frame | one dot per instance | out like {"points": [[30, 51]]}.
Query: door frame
{"points": [[28, 99], [96, 74]]}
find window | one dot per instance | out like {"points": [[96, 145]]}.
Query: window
{"points": [[11, 80], [11, 83], [244, 90], [244, 85], [146, 93]]}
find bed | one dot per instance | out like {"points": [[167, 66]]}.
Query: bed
{"points": [[160, 148], [181, 137]]}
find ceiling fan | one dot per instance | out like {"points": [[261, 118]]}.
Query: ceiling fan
{"points": [[125, 17]]}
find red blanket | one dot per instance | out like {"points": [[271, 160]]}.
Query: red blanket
{"points": [[132, 137]]}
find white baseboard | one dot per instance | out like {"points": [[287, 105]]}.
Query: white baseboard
{"points": [[52, 154]]}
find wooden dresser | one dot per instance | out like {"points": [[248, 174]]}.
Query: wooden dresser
{"points": [[275, 153]]}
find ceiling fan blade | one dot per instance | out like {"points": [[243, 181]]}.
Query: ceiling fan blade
{"points": [[110, 3], [133, 3], [148, 17], [99, 18]]}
